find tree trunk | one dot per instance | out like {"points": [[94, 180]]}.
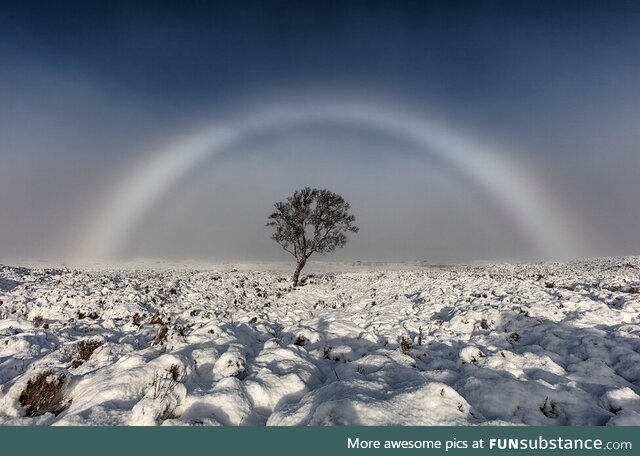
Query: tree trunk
{"points": [[296, 274]]}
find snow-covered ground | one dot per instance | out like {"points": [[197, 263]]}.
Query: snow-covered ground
{"points": [[537, 344]]}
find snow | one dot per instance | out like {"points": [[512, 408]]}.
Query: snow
{"points": [[358, 344]]}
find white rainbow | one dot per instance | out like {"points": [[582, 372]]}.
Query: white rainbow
{"points": [[506, 183]]}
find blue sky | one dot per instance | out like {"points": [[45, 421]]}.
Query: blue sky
{"points": [[90, 88]]}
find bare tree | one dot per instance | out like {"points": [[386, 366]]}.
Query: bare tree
{"points": [[311, 221]]}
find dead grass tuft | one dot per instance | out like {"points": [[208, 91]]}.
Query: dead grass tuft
{"points": [[137, 320], [175, 373], [43, 394], [164, 383], [85, 350], [161, 337], [157, 320], [405, 346]]}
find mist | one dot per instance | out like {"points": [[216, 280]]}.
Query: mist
{"points": [[94, 95]]}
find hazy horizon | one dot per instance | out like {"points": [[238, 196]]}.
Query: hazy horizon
{"points": [[458, 131]]}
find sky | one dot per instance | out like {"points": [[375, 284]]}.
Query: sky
{"points": [[458, 131]]}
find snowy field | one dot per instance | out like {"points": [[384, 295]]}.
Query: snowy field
{"points": [[538, 344]]}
